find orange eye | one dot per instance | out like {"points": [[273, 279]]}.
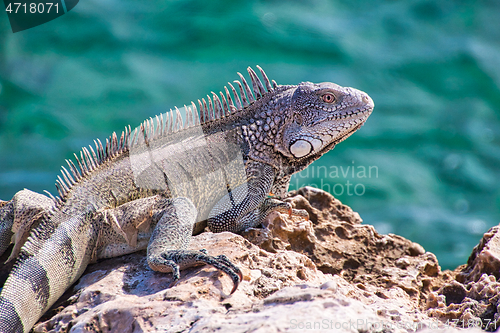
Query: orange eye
{"points": [[328, 98]]}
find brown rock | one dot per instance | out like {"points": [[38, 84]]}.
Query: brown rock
{"points": [[338, 243], [329, 273], [475, 304], [485, 258], [473, 298]]}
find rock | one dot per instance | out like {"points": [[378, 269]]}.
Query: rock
{"points": [[473, 298], [485, 258], [336, 241], [329, 273]]}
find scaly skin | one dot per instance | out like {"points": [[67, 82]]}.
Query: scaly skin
{"points": [[158, 185]]}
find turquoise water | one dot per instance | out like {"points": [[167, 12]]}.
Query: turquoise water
{"points": [[426, 164]]}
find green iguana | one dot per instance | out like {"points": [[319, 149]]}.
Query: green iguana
{"points": [[156, 186]]}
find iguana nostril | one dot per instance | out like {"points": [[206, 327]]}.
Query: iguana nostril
{"points": [[367, 100]]}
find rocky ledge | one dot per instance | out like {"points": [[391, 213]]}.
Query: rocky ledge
{"points": [[329, 273]]}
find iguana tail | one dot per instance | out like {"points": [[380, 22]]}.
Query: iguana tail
{"points": [[51, 260]]}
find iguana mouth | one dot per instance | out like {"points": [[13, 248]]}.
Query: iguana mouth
{"points": [[342, 138]]}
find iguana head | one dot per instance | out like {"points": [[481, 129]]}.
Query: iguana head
{"points": [[301, 122], [320, 116]]}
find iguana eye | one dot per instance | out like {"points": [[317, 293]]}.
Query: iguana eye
{"points": [[328, 98]]}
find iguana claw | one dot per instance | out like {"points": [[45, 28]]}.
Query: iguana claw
{"points": [[174, 260], [235, 274]]}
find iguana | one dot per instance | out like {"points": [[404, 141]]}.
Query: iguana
{"points": [[156, 186]]}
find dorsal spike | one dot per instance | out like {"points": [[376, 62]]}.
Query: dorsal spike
{"points": [[178, 120], [158, 126], [62, 184], [144, 135], [84, 162], [85, 169], [134, 137], [115, 143], [120, 144], [250, 96], [74, 170], [195, 115], [163, 125], [50, 195], [88, 159], [242, 93], [144, 129], [236, 97], [202, 116], [67, 176], [108, 148], [275, 85], [206, 111], [189, 116], [80, 165], [151, 128], [170, 121], [266, 79], [218, 110], [127, 135], [211, 114], [98, 153], [226, 110], [94, 157], [229, 100], [258, 88], [59, 188], [74, 173]]}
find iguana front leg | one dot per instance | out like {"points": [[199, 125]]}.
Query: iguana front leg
{"points": [[167, 246], [248, 205], [124, 227]]}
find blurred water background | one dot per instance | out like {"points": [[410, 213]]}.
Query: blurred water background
{"points": [[432, 68]]}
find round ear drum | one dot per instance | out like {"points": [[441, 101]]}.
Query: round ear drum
{"points": [[301, 148]]}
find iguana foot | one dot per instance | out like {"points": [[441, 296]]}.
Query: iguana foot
{"points": [[175, 260], [272, 204], [255, 217], [167, 246]]}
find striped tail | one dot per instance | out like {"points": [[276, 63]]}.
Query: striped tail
{"points": [[52, 259]]}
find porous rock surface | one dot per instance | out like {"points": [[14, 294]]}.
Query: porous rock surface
{"points": [[330, 273]]}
